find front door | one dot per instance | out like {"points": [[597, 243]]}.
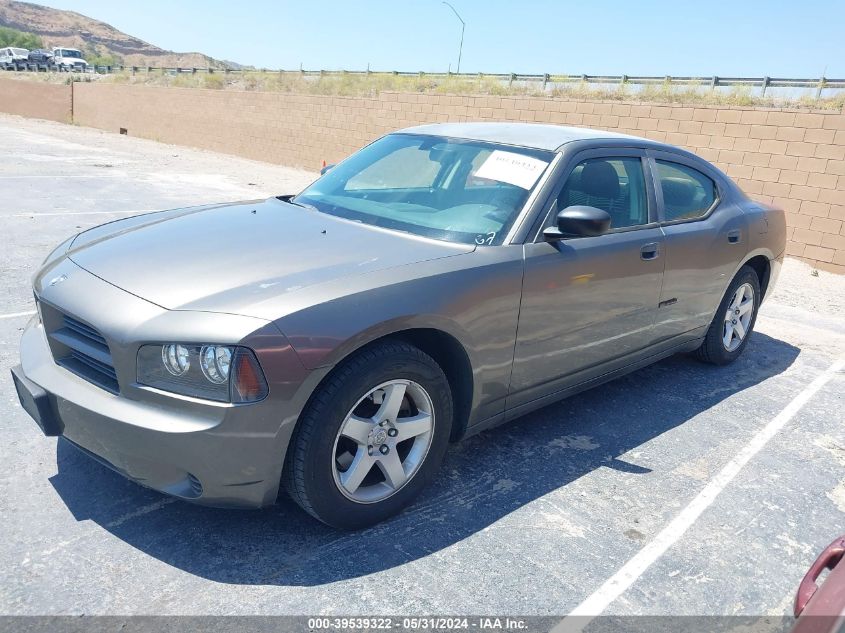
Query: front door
{"points": [[589, 300]]}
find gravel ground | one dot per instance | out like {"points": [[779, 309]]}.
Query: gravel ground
{"points": [[530, 518], [817, 291]]}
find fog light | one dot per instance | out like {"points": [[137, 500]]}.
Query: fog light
{"points": [[176, 359]]}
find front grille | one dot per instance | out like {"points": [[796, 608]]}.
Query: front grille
{"points": [[85, 330], [80, 348]]}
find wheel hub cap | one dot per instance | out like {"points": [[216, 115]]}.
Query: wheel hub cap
{"points": [[379, 437]]}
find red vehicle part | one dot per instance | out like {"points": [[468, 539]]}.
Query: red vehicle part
{"points": [[821, 608]]}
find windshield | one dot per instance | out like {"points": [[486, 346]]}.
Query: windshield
{"points": [[19, 51], [447, 189], [65, 52]]}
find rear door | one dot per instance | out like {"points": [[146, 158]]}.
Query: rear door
{"points": [[706, 239], [589, 301]]}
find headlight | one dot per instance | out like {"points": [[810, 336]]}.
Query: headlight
{"points": [[225, 373], [176, 359], [215, 361]]}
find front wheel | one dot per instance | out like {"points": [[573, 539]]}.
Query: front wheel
{"points": [[734, 320], [372, 436]]}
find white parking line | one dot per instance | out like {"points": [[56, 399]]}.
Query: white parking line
{"points": [[14, 315], [628, 574]]}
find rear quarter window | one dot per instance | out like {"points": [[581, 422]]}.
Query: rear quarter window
{"points": [[687, 193]]}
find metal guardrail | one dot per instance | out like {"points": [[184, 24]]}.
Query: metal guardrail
{"points": [[762, 83], [30, 67]]}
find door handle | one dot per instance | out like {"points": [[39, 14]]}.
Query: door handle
{"points": [[650, 251], [733, 236]]}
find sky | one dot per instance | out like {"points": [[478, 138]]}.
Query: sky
{"points": [[778, 38]]}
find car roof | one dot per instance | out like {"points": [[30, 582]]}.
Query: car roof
{"points": [[533, 135]]}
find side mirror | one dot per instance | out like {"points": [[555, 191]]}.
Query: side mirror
{"points": [[578, 221], [325, 169]]}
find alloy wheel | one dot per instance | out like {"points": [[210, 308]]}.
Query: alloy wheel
{"points": [[738, 317], [383, 441]]}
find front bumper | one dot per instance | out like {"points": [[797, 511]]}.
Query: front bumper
{"points": [[210, 453]]}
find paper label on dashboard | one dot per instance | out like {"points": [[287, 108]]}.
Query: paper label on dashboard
{"points": [[514, 169]]}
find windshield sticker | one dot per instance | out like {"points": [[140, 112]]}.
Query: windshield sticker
{"points": [[514, 169]]}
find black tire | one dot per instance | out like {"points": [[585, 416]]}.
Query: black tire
{"points": [[713, 349], [308, 476]]}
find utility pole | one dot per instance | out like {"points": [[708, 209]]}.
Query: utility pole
{"points": [[463, 27]]}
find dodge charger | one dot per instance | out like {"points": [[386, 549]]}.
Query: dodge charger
{"points": [[444, 279]]}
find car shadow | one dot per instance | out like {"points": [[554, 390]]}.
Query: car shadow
{"points": [[482, 480]]}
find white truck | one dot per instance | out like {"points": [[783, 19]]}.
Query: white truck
{"points": [[11, 55], [69, 59]]}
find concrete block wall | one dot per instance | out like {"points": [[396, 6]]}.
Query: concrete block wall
{"points": [[36, 99]]}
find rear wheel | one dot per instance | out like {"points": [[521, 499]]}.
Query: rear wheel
{"points": [[734, 320], [372, 436]]}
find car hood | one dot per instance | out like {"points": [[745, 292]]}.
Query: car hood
{"points": [[232, 258]]}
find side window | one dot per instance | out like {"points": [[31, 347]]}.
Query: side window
{"points": [[687, 193], [615, 185]]}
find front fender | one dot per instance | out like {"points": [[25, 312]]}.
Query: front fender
{"points": [[386, 328], [472, 298]]}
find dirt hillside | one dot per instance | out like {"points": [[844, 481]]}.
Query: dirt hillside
{"points": [[68, 28]]}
